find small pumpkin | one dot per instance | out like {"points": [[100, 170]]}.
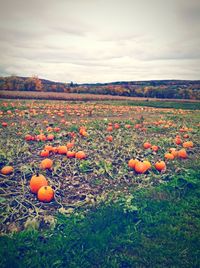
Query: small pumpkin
{"points": [[178, 141], [4, 124], [44, 153], [169, 156], [70, 145], [154, 148], [141, 167], [174, 152], [45, 194], [71, 154], [50, 137], [132, 163], [80, 155], [62, 149], [160, 165], [7, 170], [116, 126], [182, 154], [109, 138], [36, 182], [46, 163], [147, 163], [188, 144], [110, 128], [147, 145]]}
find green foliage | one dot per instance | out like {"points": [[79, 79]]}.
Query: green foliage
{"points": [[156, 227]]}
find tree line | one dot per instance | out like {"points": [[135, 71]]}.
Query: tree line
{"points": [[176, 89]]}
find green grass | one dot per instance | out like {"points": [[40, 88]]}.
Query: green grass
{"points": [[156, 227], [162, 104]]}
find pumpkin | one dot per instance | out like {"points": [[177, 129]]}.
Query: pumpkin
{"points": [[70, 145], [28, 137], [80, 155], [127, 126], [70, 154], [116, 126], [62, 149], [178, 141], [169, 156], [188, 144], [4, 124], [132, 163], [147, 145], [46, 163], [48, 148], [109, 138], [44, 153], [50, 137], [147, 163], [141, 167], [182, 154], [154, 148], [173, 151], [7, 170], [160, 165], [45, 194], [110, 128], [36, 182]]}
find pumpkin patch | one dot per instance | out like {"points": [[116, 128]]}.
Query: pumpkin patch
{"points": [[63, 154]]}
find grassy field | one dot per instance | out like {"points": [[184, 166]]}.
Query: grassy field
{"points": [[104, 213]]}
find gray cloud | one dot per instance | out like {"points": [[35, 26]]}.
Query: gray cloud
{"points": [[99, 40]]}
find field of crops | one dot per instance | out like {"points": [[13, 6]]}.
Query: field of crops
{"points": [[120, 185]]}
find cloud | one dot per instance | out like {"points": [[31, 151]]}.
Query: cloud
{"points": [[93, 40]]}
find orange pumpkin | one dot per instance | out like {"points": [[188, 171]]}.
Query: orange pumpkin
{"points": [[173, 151], [110, 128], [80, 155], [141, 167], [169, 156], [50, 137], [44, 153], [178, 141], [182, 154], [62, 149], [4, 124], [132, 163], [45, 194], [36, 182], [48, 148], [70, 145], [116, 126], [147, 163], [109, 138], [46, 163], [147, 145], [70, 154], [154, 148], [28, 137], [160, 165], [188, 144], [7, 170]]}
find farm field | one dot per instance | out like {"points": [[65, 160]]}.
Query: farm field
{"points": [[123, 184]]}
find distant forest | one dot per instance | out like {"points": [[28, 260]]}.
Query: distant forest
{"points": [[176, 89]]}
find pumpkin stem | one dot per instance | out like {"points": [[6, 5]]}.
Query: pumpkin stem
{"points": [[37, 174]]}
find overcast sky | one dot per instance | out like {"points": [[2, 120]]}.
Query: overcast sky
{"points": [[100, 40]]}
